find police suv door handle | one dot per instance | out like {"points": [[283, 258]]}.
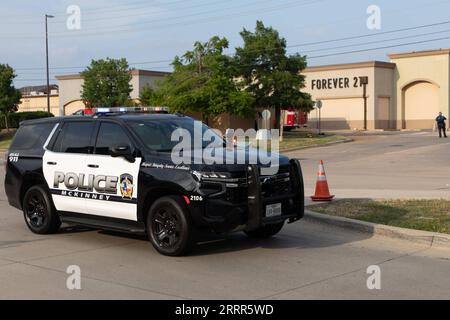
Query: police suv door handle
{"points": [[52, 163], [95, 166]]}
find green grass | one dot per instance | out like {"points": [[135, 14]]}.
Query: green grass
{"points": [[428, 215], [5, 139], [302, 139]]}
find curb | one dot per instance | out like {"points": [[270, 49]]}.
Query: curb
{"points": [[433, 239], [317, 145]]}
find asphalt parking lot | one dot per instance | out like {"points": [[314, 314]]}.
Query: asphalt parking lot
{"points": [[390, 165], [307, 260]]}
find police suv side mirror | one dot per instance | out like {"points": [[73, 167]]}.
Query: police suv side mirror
{"points": [[122, 151]]}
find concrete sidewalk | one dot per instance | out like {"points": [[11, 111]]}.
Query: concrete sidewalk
{"points": [[432, 239]]}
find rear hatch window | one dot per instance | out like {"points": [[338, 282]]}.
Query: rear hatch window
{"points": [[30, 138]]}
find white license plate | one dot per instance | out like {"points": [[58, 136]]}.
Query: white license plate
{"points": [[273, 210]]}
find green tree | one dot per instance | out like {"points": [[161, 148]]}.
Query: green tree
{"points": [[272, 77], [107, 83], [203, 81], [153, 97], [9, 95]]}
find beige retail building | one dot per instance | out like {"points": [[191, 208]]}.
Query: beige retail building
{"points": [[70, 87], [406, 93], [65, 98], [34, 98]]}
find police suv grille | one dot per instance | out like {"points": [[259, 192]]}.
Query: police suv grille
{"points": [[237, 195], [276, 185]]}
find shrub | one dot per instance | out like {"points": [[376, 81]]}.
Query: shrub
{"points": [[14, 119]]}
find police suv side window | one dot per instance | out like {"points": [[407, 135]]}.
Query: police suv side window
{"points": [[75, 137], [109, 135]]}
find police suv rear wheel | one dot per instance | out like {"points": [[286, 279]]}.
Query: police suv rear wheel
{"points": [[266, 231], [39, 212], [169, 227]]}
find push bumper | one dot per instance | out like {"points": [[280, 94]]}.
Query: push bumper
{"points": [[224, 216], [293, 208]]}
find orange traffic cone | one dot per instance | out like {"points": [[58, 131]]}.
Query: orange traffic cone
{"points": [[322, 191]]}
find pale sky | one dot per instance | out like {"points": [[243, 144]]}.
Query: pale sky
{"points": [[150, 33]]}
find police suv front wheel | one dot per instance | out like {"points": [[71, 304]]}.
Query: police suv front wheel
{"points": [[169, 227], [266, 231], [39, 213]]}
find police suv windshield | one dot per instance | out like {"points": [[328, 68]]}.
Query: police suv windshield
{"points": [[157, 134]]}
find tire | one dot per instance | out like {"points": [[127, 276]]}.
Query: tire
{"points": [[169, 227], [39, 212], [266, 231]]}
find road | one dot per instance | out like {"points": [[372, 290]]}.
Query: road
{"points": [[395, 165], [307, 260]]}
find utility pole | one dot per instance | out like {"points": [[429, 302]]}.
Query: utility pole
{"points": [[365, 81], [200, 54], [319, 105], [47, 16]]}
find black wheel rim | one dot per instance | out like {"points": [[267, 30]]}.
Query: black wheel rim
{"points": [[166, 227], [36, 210]]}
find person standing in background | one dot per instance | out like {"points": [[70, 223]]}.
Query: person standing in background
{"points": [[441, 125]]}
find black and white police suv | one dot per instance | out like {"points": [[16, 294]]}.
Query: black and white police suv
{"points": [[114, 171]]}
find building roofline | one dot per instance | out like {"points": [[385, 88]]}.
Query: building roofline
{"points": [[27, 96], [27, 90], [69, 77], [354, 65], [149, 73], [135, 72], [414, 54]]}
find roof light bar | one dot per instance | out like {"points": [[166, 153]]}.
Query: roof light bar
{"points": [[115, 110]]}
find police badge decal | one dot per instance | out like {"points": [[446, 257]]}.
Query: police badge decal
{"points": [[126, 186]]}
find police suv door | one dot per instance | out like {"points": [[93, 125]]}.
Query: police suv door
{"points": [[116, 184], [64, 166]]}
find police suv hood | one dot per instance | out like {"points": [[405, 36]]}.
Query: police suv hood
{"points": [[225, 159]]}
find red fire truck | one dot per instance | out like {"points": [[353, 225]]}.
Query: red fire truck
{"points": [[294, 119]]}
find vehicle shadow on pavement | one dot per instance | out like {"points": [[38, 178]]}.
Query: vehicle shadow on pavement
{"points": [[240, 242], [308, 235]]}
